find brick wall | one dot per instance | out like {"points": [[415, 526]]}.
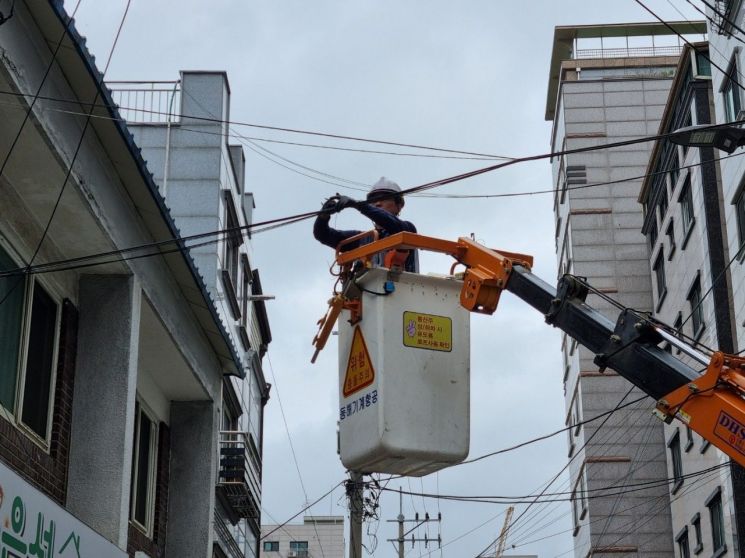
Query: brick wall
{"points": [[137, 540], [48, 470]]}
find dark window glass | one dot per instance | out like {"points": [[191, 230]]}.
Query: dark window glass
{"points": [[298, 545], [271, 546], [740, 210], [12, 290], [670, 233], [717, 521], [683, 549], [652, 233], [696, 522], [686, 206], [659, 272], [676, 460], [731, 93], [39, 361], [143, 459], [697, 312]]}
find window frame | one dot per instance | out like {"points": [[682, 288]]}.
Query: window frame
{"points": [[273, 546], [670, 234], [696, 522], [683, 543], [660, 279], [716, 517], [738, 200], [142, 409], [732, 101], [697, 308], [676, 461], [688, 215], [231, 254], [29, 286]]}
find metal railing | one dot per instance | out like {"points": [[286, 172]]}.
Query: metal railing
{"points": [[631, 52], [147, 102], [226, 536], [239, 474]]}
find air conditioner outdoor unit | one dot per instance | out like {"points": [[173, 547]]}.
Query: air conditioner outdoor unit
{"points": [[292, 554]]}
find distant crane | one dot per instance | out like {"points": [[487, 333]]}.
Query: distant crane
{"points": [[503, 534]]}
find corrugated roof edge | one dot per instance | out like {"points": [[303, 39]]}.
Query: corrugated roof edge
{"points": [[88, 58]]}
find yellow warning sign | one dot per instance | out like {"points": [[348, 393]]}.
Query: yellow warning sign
{"points": [[426, 331], [360, 373]]}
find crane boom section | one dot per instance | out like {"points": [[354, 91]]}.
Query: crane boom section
{"points": [[712, 404]]}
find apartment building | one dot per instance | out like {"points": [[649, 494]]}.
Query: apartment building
{"points": [[113, 367], [317, 536], [182, 129], [609, 83], [684, 223]]}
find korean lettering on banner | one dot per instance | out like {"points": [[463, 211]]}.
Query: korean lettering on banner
{"points": [[18, 542], [358, 404]]}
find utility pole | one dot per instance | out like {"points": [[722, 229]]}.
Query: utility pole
{"points": [[401, 520], [355, 488]]}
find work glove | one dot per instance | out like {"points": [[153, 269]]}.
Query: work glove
{"points": [[329, 207], [345, 202]]}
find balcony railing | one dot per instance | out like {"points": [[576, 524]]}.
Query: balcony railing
{"points": [[147, 102], [239, 473], [631, 52]]}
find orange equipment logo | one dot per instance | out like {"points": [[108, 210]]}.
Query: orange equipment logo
{"points": [[360, 373]]}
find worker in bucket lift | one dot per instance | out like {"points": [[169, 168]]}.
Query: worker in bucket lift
{"points": [[384, 203]]}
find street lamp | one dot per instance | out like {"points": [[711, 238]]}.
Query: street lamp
{"points": [[726, 138]]}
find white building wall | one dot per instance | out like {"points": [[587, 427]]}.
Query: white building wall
{"points": [[320, 532], [598, 237]]}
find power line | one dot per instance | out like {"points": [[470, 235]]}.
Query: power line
{"points": [[337, 485], [590, 494], [686, 41], [292, 449], [517, 519], [272, 128]]}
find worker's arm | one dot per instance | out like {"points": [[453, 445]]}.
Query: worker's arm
{"points": [[385, 220], [329, 236]]}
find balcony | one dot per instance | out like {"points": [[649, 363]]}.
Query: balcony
{"points": [[240, 465], [147, 102]]}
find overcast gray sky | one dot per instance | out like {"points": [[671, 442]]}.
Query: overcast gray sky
{"points": [[468, 75]]}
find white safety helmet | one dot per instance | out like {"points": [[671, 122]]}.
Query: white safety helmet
{"points": [[385, 186]]}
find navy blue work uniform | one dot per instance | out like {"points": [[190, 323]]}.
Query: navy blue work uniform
{"points": [[386, 223]]}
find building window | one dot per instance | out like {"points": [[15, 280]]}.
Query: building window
{"points": [[678, 325], [579, 501], [663, 202], [674, 167], [659, 273], [696, 522], [730, 91], [652, 232], [740, 211], [29, 322], [144, 458], [697, 311], [300, 548], [676, 461], [682, 541], [686, 209], [716, 515], [689, 439], [233, 239], [670, 233], [271, 546], [246, 277]]}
